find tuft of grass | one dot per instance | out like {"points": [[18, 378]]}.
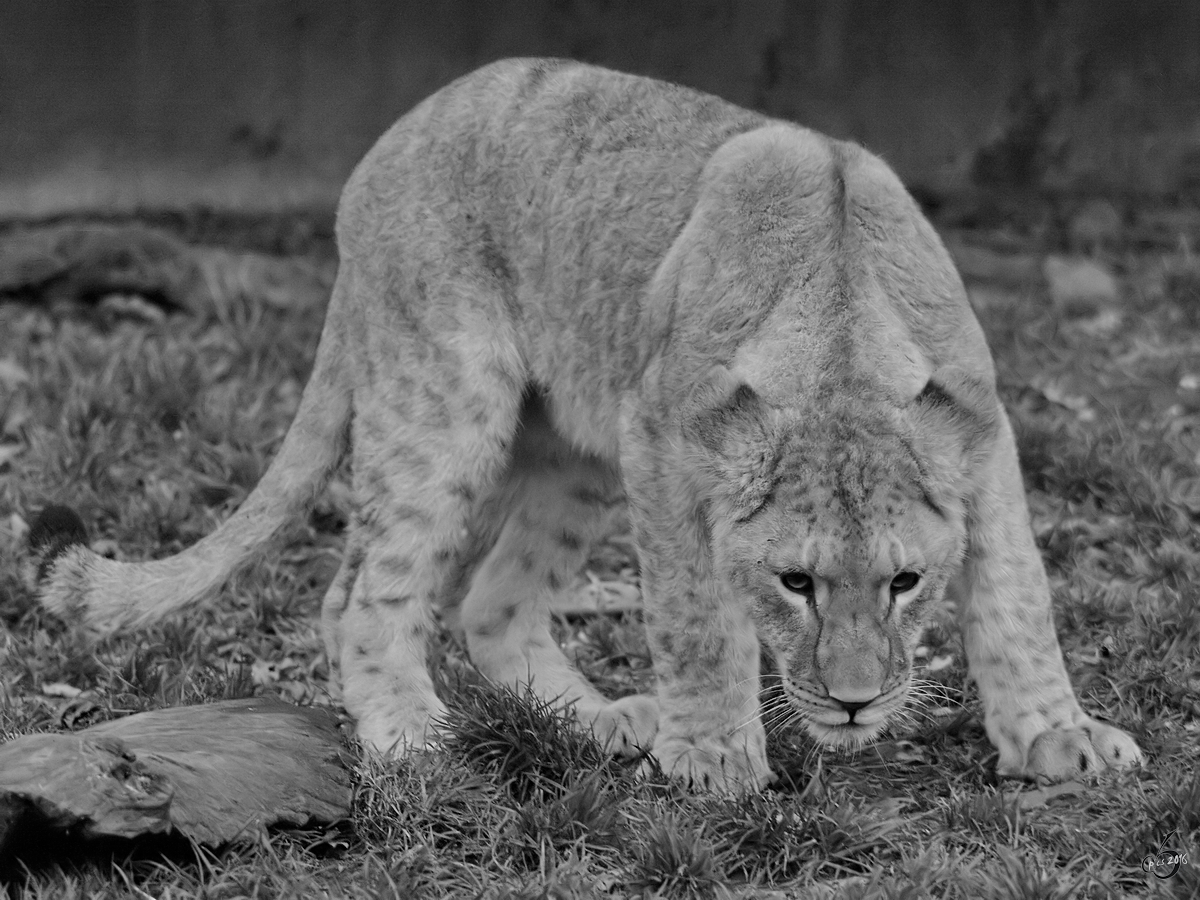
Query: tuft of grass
{"points": [[586, 814], [677, 858], [984, 818], [1015, 877], [429, 801], [519, 740]]}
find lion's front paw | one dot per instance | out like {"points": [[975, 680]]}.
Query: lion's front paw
{"points": [[627, 727], [731, 764], [1060, 754]]}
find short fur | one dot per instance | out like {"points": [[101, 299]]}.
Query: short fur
{"points": [[561, 286]]}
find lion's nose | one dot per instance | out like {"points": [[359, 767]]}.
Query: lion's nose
{"points": [[851, 706]]}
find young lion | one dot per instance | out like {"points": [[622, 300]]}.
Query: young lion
{"points": [[563, 287]]}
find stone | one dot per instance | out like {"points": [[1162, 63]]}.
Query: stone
{"points": [[1079, 286], [1095, 226]]}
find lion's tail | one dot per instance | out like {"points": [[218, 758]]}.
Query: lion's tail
{"points": [[106, 596]]}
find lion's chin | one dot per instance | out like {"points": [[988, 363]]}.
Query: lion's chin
{"points": [[850, 736]]}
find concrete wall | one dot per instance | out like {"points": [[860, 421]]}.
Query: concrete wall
{"points": [[267, 104]]}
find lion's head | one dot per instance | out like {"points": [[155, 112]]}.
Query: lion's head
{"points": [[840, 525]]}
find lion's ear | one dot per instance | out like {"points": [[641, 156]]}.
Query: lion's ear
{"points": [[962, 401], [733, 430], [956, 417]]}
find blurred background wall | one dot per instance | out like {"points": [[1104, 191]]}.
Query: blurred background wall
{"points": [[267, 104]]}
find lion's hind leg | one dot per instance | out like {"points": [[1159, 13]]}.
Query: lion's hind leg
{"points": [[558, 503], [433, 430]]}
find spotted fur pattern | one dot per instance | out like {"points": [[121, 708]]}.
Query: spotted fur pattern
{"points": [[563, 287]]}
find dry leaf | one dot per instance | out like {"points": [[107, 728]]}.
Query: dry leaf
{"points": [[9, 452], [59, 689], [1043, 795], [11, 374]]}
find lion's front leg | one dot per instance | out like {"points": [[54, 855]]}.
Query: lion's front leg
{"points": [[710, 733], [705, 651], [1030, 710], [703, 641]]}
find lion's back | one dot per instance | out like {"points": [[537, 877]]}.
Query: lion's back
{"points": [[524, 141], [550, 194]]}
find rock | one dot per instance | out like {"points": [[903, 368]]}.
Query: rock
{"points": [[981, 264], [988, 297], [1097, 225], [1079, 286]]}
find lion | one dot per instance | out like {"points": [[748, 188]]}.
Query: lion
{"points": [[563, 290]]}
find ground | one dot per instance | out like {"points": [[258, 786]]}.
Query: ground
{"points": [[155, 422]]}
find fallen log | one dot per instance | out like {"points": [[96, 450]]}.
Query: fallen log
{"points": [[211, 773], [85, 261], [133, 269]]}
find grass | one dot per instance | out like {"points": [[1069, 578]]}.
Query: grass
{"points": [[155, 428]]}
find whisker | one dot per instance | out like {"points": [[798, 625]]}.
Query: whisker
{"points": [[776, 710], [788, 721], [763, 712], [902, 721], [773, 711], [925, 694], [936, 690]]}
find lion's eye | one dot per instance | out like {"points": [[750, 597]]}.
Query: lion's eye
{"points": [[905, 582], [799, 583]]}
